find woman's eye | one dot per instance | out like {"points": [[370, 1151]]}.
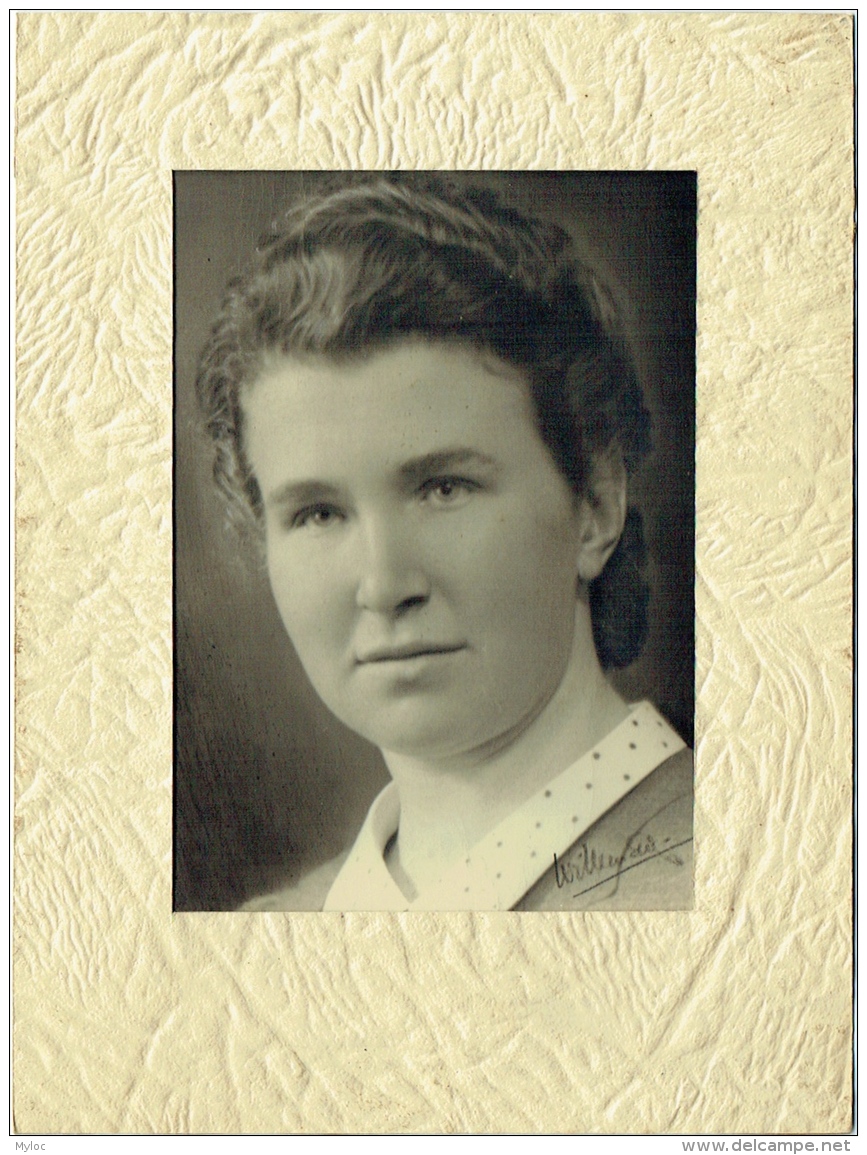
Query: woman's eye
{"points": [[315, 517], [446, 490]]}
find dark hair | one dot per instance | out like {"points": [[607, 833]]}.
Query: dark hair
{"points": [[362, 263]]}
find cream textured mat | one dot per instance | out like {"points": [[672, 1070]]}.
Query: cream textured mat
{"points": [[734, 1016]]}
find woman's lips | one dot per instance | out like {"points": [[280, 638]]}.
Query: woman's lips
{"points": [[408, 651]]}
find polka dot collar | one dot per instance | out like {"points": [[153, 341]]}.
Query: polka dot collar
{"points": [[503, 866]]}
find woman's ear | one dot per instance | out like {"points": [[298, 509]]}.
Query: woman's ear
{"points": [[603, 512]]}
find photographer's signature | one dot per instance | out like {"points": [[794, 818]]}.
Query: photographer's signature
{"points": [[587, 861]]}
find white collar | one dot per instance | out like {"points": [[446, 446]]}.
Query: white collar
{"points": [[503, 865]]}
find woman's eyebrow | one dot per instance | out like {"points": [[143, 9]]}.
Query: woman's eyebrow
{"points": [[301, 493], [420, 469]]}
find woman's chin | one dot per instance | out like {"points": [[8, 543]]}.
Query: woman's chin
{"points": [[438, 737], [428, 739]]}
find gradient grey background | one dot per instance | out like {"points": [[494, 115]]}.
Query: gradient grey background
{"points": [[267, 783]]}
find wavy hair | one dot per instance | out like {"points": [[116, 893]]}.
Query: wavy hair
{"points": [[362, 263]]}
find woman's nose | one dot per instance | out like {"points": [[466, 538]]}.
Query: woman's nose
{"points": [[391, 577]]}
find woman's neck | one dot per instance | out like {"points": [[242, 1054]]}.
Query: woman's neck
{"points": [[446, 807]]}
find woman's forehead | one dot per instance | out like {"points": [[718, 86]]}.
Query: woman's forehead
{"points": [[414, 376], [413, 401]]}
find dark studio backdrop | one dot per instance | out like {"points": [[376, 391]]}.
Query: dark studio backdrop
{"points": [[267, 783]]}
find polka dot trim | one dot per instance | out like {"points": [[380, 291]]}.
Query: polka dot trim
{"points": [[505, 864]]}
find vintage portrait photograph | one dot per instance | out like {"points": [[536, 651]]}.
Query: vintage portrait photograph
{"points": [[434, 541], [433, 565]]}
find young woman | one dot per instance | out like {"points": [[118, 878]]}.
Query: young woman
{"points": [[423, 401]]}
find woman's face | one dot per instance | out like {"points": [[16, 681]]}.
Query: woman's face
{"points": [[422, 545]]}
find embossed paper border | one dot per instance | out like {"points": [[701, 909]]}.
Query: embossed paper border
{"points": [[736, 1016]]}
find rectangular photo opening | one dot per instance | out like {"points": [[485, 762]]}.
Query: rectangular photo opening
{"points": [[434, 533]]}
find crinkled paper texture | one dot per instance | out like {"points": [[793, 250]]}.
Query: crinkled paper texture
{"points": [[734, 1016]]}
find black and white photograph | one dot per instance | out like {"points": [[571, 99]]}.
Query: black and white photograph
{"points": [[434, 477]]}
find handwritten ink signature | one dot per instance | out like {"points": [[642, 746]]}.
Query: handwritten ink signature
{"points": [[590, 861]]}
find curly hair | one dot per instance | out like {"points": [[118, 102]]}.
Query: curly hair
{"points": [[362, 263]]}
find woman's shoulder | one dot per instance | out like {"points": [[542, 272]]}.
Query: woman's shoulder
{"points": [[308, 893], [637, 856]]}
